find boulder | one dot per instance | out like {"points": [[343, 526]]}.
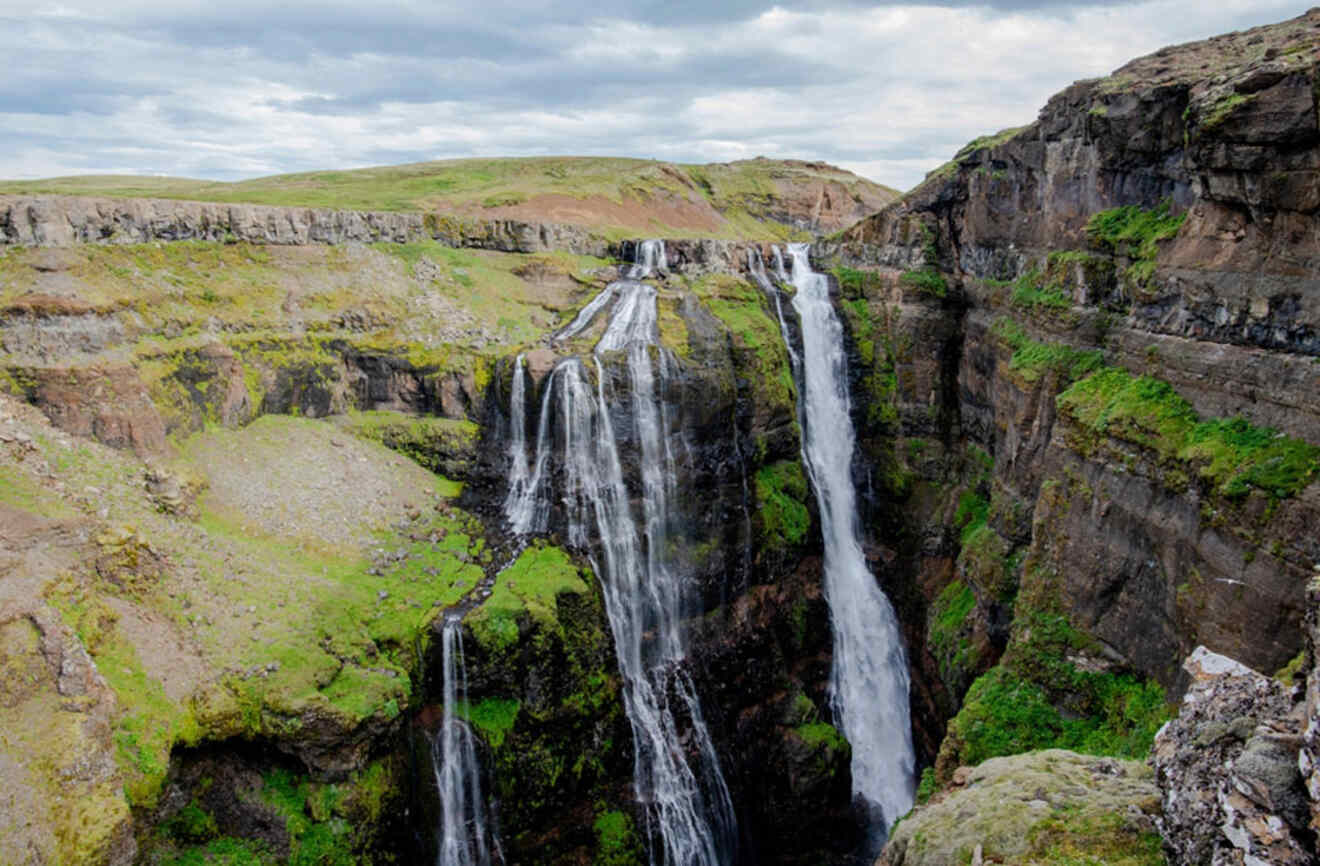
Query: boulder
{"points": [[1227, 769]]}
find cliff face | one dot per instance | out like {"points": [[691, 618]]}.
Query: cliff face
{"points": [[1157, 227]]}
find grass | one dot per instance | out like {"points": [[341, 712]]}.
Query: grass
{"points": [[1031, 290], [947, 632], [430, 441], [927, 281], [1231, 455], [821, 735], [741, 194], [984, 142], [1005, 713]]}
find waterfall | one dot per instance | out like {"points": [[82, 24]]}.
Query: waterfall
{"points": [[519, 479], [465, 838], [650, 258], [869, 674], [677, 775]]}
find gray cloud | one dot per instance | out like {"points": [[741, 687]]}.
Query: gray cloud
{"points": [[247, 88]]}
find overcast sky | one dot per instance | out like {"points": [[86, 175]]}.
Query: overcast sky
{"points": [[242, 88]]}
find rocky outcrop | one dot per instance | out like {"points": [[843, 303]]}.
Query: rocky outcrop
{"points": [[1032, 808], [1227, 769], [1308, 760], [64, 220]]}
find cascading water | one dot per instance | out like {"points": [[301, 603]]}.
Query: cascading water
{"points": [[519, 477], [869, 674], [465, 837], [676, 770], [650, 258]]}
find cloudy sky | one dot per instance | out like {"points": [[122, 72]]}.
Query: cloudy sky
{"points": [[252, 87]]}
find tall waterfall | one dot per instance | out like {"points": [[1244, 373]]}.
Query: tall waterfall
{"points": [[676, 771], [465, 837], [869, 675]]}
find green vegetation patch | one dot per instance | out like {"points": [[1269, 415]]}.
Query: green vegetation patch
{"points": [[617, 843], [821, 735], [781, 489], [436, 443], [1071, 836], [1032, 290], [948, 634], [927, 281], [950, 169], [494, 718], [1032, 359], [761, 357], [148, 723], [317, 837], [1232, 455], [1005, 713], [225, 851], [529, 587], [1135, 232], [878, 354]]}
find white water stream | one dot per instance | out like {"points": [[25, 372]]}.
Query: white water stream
{"points": [[465, 837], [869, 674], [676, 770]]}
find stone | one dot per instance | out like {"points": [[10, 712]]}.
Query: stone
{"points": [[1006, 803], [1227, 768]]}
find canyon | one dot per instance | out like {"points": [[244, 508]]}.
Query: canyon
{"points": [[274, 474]]}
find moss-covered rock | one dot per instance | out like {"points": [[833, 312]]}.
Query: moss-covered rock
{"points": [[1048, 808]]}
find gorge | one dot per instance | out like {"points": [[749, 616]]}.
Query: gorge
{"points": [[335, 536]]}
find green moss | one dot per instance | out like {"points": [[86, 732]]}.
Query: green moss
{"points": [[311, 842], [1231, 455], [761, 358], [1005, 714], [225, 851], [492, 717], [781, 490], [617, 843], [193, 824], [971, 514], [1032, 359], [821, 735], [948, 634], [1071, 836], [1224, 108], [147, 724], [1031, 290], [927, 281], [984, 142], [855, 284], [927, 787], [528, 587], [1137, 233], [439, 444]]}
